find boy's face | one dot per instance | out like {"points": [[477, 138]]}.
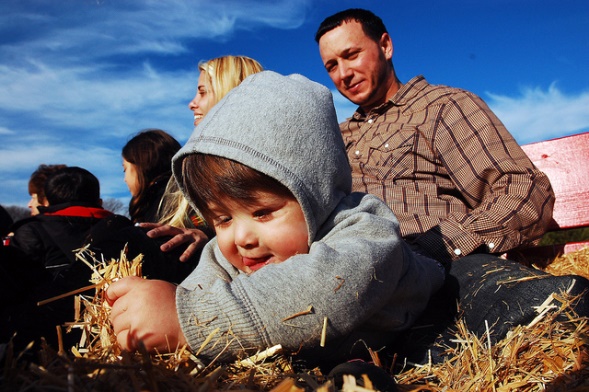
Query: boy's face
{"points": [[34, 203], [268, 231]]}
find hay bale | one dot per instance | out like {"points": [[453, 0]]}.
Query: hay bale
{"points": [[552, 353]]}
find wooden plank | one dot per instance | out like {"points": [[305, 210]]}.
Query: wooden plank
{"points": [[566, 162]]}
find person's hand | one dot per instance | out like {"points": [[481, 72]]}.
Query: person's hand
{"points": [[145, 311], [195, 237]]}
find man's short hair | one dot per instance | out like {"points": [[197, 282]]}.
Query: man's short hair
{"points": [[371, 24], [72, 185]]}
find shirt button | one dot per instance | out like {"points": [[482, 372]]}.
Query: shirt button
{"points": [[491, 245], [357, 152], [386, 145], [457, 252], [370, 121]]}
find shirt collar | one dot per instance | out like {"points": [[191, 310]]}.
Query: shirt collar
{"points": [[79, 210], [405, 93]]}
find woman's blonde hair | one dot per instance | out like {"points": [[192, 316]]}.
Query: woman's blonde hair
{"points": [[174, 209], [223, 74]]}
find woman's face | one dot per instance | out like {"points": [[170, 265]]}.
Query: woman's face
{"points": [[131, 178], [203, 101]]}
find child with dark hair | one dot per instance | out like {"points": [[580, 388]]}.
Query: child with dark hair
{"points": [[74, 207], [73, 185], [295, 253], [40, 261]]}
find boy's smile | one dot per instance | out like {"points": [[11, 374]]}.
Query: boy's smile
{"points": [[256, 263], [268, 231]]}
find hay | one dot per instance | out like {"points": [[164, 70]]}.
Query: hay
{"points": [[575, 263], [551, 353]]}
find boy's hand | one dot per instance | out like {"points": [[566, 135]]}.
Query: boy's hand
{"points": [[195, 237], [145, 310]]}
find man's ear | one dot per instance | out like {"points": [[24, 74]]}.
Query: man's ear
{"points": [[100, 202], [386, 45]]}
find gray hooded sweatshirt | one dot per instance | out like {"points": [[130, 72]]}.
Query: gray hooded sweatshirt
{"points": [[359, 275]]}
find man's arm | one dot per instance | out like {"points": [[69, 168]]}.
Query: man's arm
{"points": [[511, 200]]}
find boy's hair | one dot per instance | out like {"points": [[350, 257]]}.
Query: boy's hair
{"points": [[151, 151], [39, 178], [226, 72], [371, 24], [210, 179], [72, 185]]}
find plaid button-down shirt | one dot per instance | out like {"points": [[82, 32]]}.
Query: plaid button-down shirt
{"points": [[449, 169]]}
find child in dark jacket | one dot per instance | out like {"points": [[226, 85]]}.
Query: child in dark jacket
{"points": [[40, 261]]}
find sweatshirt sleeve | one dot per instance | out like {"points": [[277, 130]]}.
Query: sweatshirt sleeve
{"points": [[358, 274]]}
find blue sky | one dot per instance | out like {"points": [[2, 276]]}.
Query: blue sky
{"points": [[79, 77]]}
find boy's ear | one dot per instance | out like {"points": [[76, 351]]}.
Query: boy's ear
{"points": [[100, 202]]}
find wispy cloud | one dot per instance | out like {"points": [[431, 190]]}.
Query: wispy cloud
{"points": [[6, 131], [80, 77], [91, 74], [103, 162], [538, 114], [83, 31]]}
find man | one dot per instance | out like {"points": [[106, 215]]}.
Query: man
{"points": [[458, 182]]}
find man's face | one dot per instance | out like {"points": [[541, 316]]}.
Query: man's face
{"points": [[358, 66]]}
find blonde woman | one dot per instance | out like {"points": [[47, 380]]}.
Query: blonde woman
{"points": [[217, 77]]}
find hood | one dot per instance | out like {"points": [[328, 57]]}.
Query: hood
{"points": [[286, 128]]}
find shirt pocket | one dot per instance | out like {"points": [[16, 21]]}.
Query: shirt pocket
{"points": [[392, 158]]}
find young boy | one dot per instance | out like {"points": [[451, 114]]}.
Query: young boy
{"points": [[40, 261], [267, 168]]}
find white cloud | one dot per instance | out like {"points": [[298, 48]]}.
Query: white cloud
{"points": [[90, 74], [6, 131], [75, 98], [538, 114], [124, 28], [70, 96], [17, 164]]}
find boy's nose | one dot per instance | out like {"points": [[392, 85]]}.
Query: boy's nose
{"points": [[245, 235]]}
